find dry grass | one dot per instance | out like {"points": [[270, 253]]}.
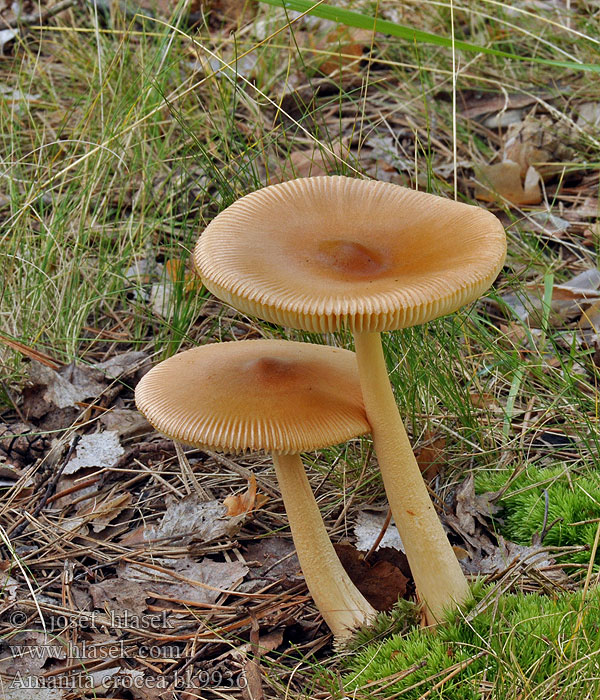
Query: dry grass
{"points": [[127, 136]]}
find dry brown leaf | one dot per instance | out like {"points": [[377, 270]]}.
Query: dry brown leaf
{"points": [[276, 559], [310, 163], [177, 271], [8, 587], [347, 45], [119, 596], [381, 580], [63, 388], [242, 503], [483, 400], [222, 14], [125, 422], [29, 651], [569, 300], [368, 528], [96, 450], [507, 553], [503, 180], [100, 514], [590, 318], [538, 142], [192, 518], [430, 457], [185, 579], [471, 518]]}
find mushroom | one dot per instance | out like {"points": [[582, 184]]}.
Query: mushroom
{"points": [[284, 398], [324, 253]]}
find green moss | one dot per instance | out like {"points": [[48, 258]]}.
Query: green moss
{"points": [[572, 498], [521, 646]]}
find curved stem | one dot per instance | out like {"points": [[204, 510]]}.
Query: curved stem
{"points": [[342, 605], [439, 579]]}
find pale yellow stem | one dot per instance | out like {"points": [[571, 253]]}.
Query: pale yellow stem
{"points": [[438, 577], [342, 605]]}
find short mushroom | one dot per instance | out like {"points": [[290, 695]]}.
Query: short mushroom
{"points": [[329, 252], [283, 398]]}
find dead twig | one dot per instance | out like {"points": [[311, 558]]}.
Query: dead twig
{"points": [[39, 18]]}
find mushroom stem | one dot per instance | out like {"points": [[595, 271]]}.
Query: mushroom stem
{"points": [[438, 577], [342, 605]]}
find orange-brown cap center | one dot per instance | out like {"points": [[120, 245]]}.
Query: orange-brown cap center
{"points": [[351, 259], [272, 370]]}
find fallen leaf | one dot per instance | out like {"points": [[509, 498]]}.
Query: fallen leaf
{"points": [[125, 422], [21, 444], [471, 519], [123, 364], [473, 104], [66, 387], [380, 580], [28, 652], [311, 163], [204, 581], [192, 518], [547, 223], [540, 143], [179, 272], [13, 95], [589, 116], [119, 596], [8, 587], [483, 400], [276, 558], [430, 456], [503, 180], [24, 693], [95, 450], [347, 45], [100, 515], [243, 503], [6, 37], [583, 287], [368, 527], [569, 300], [507, 553]]}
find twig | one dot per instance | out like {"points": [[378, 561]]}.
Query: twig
{"points": [[50, 488], [39, 17], [379, 537]]}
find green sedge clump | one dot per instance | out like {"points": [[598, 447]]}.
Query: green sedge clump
{"points": [[573, 506], [519, 646]]}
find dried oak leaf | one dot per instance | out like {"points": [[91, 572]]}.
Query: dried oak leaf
{"points": [[503, 181], [185, 579], [471, 518], [368, 527], [430, 457], [243, 503], [276, 559], [119, 596], [506, 554], [95, 450], [540, 143], [194, 519], [380, 579]]}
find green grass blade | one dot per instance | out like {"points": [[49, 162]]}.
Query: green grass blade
{"points": [[361, 21]]}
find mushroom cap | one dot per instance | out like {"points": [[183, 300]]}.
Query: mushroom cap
{"points": [[325, 252], [273, 395]]}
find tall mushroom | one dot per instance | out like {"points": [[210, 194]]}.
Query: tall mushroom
{"points": [[327, 252], [284, 398]]}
